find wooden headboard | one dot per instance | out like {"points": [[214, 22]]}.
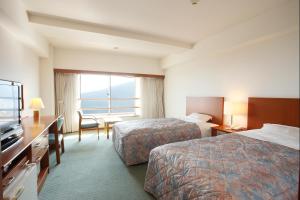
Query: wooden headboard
{"points": [[213, 106], [283, 111]]}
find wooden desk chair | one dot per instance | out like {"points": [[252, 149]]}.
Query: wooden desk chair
{"points": [[87, 122], [60, 122]]}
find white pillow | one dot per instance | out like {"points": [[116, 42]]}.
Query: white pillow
{"points": [[200, 117], [199, 122], [207, 124], [281, 129], [192, 119]]}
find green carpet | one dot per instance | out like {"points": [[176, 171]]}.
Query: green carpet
{"points": [[92, 170]]}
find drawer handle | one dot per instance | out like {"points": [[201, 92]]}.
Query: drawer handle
{"points": [[19, 193], [37, 145], [26, 164], [38, 159]]}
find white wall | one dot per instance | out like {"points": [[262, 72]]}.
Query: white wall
{"points": [[47, 83], [258, 57], [19, 63], [105, 61], [88, 60], [20, 49], [267, 69], [13, 18]]}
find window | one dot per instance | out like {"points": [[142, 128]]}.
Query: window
{"points": [[108, 94]]}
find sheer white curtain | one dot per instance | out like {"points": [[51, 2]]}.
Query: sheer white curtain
{"points": [[152, 98], [66, 99]]}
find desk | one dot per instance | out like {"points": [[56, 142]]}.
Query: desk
{"points": [[34, 148], [108, 121]]}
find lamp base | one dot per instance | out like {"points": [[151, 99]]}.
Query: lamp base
{"points": [[36, 116]]}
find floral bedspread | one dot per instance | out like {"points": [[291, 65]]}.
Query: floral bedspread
{"points": [[134, 140], [223, 167]]}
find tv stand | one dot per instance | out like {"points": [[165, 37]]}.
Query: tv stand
{"points": [[34, 148]]}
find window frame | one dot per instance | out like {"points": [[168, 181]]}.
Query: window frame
{"points": [[110, 99]]}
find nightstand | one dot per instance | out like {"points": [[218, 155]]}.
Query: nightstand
{"points": [[223, 129]]}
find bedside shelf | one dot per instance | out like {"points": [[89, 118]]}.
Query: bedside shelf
{"points": [[225, 130]]}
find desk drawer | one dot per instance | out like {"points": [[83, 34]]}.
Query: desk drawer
{"points": [[24, 186], [39, 147], [14, 172]]}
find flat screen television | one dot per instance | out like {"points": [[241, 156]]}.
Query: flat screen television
{"points": [[11, 104]]}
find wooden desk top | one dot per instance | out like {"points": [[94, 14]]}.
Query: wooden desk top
{"points": [[32, 130]]}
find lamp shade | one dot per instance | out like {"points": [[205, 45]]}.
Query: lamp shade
{"points": [[235, 108], [36, 104], [228, 108], [239, 108]]}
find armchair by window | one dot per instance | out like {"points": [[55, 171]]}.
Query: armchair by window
{"points": [[87, 122]]}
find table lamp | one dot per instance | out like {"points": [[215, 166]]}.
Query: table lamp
{"points": [[228, 111], [239, 108], [36, 104], [234, 109]]}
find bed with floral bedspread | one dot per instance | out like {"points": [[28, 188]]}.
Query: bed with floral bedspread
{"points": [[133, 140], [224, 167]]}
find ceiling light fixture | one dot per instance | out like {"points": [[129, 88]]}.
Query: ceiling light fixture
{"points": [[194, 2]]}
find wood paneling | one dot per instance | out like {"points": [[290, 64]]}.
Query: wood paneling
{"points": [[108, 73], [283, 111], [213, 106]]}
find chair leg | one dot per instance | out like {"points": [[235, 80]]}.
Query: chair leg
{"points": [[107, 131], [80, 135], [62, 146], [98, 132]]}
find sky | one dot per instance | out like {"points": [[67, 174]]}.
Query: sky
{"points": [[97, 82]]}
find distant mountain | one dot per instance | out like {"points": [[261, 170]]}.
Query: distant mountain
{"points": [[126, 90]]}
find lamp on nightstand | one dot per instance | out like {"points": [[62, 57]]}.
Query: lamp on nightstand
{"points": [[228, 111], [36, 104], [239, 108], [234, 109]]}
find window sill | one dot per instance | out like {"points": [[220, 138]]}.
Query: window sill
{"points": [[115, 115]]}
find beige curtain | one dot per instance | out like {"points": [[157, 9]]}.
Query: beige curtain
{"points": [[152, 98], [66, 99]]}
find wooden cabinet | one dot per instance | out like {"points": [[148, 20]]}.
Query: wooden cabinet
{"points": [[34, 148], [40, 156]]}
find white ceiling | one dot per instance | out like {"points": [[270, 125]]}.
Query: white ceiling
{"points": [[68, 38], [175, 20]]}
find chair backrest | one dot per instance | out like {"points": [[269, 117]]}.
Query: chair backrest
{"points": [[79, 113], [60, 122], [80, 117]]}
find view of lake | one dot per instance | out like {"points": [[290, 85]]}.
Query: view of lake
{"points": [[124, 90]]}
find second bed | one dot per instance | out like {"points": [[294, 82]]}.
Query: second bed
{"points": [[133, 140]]}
